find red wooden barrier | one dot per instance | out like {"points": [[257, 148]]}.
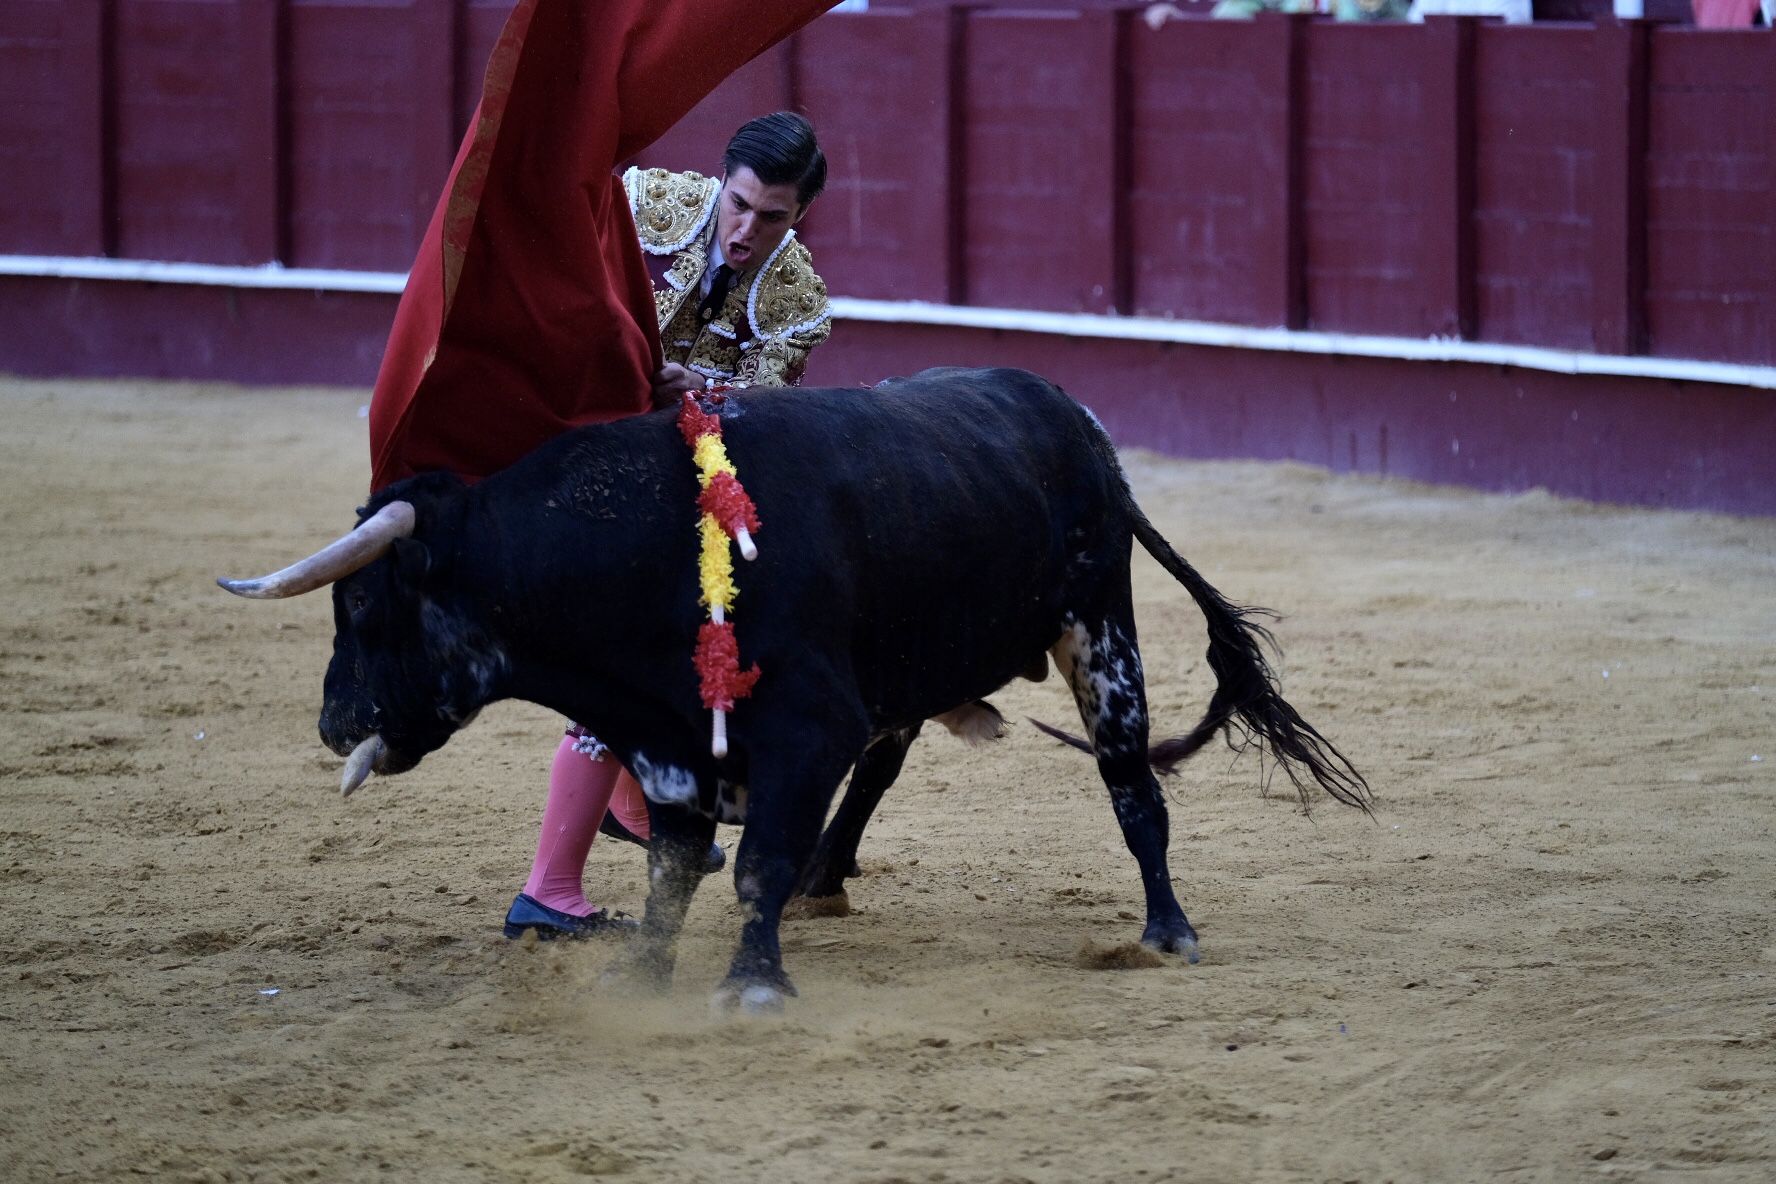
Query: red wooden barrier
{"points": [[1538, 198], [1711, 196], [1212, 157], [1607, 188], [886, 221], [372, 129]]}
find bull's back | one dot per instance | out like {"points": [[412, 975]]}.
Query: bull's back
{"points": [[924, 526]]}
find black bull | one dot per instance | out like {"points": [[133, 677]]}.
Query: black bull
{"points": [[923, 543]]}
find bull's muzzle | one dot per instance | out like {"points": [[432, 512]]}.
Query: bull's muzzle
{"points": [[338, 559]]}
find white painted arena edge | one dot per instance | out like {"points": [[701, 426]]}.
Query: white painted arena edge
{"points": [[913, 312]]}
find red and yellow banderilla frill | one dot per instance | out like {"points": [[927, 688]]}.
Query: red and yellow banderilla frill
{"points": [[728, 514]]}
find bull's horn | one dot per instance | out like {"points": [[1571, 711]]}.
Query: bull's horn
{"points": [[335, 561], [361, 763]]}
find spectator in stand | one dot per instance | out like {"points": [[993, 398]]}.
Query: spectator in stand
{"points": [[1731, 14], [1372, 10], [1515, 12]]}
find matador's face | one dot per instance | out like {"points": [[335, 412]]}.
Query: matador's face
{"points": [[752, 217]]}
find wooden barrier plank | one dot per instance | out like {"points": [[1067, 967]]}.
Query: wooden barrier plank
{"points": [[1710, 186], [262, 153], [33, 140], [1280, 257], [1448, 111], [697, 141], [89, 130], [1535, 176], [436, 28], [1103, 155], [1119, 134], [955, 175], [882, 228], [177, 116], [366, 161], [1364, 211], [1207, 197], [1038, 168], [1619, 259]]}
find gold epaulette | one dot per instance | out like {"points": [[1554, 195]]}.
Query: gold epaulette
{"points": [[671, 209], [787, 297]]}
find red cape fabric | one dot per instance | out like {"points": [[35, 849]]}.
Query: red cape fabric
{"points": [[529, 309]]}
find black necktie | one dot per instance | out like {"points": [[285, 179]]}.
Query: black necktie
{"points": [[719, 284]]}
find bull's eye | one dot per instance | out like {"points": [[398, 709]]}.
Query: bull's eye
{"points": [[356, 601]]}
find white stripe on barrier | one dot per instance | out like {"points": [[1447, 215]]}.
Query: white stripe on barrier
{"points": [[1009, 320], [271, 275], [1300, 341]]}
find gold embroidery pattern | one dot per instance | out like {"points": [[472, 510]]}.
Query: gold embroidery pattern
{"points": [[682, 278], [780, 362], [765, 329], [713, 351], [788, 297], [671, 209]]}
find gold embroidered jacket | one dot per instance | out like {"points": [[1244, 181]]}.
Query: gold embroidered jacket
{"points": [[772, 317]]}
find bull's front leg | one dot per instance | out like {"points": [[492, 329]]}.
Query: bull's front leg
{"points": [[785, 807], [676, 855]]}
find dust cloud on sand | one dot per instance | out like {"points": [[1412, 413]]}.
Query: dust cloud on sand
{"points": [[1549, 957]]}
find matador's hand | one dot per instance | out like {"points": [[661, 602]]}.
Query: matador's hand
{"points": [[671, 383]]}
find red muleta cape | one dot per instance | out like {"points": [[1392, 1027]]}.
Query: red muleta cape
{"points": [[529, 309]]}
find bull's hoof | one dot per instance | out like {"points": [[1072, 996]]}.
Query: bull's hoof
{"points": [[1172, 937], [756, 1000], [751, 997], [828, 881]]}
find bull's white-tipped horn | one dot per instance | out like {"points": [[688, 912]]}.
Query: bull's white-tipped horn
{"points": [[335, 561], [743, 536], [361, 763]]}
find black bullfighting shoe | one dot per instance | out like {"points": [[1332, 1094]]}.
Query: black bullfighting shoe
{"points": [[613, 829], [529, 913], [610, 827]]}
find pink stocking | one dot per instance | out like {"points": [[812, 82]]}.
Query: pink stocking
{"points": [[630, 806], [579, 793]]}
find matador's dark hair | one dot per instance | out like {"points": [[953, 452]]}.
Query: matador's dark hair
{"points": [[781, 150]]}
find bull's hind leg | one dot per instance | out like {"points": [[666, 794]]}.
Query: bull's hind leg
{"points": [[835, 859], [1098, 657]]}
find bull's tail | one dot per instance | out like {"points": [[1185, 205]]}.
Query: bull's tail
{"points": [[1247, 698], [1247, 702]]}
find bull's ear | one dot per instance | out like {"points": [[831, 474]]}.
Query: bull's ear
{"points": [[412, 561]]}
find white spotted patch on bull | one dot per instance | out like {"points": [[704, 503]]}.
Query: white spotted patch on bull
{"points": [[1105, 675], [1072, 655], [466, 655], [667, 784]]}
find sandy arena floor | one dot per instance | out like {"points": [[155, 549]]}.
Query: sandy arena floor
{"points": [[1551, 956]]}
